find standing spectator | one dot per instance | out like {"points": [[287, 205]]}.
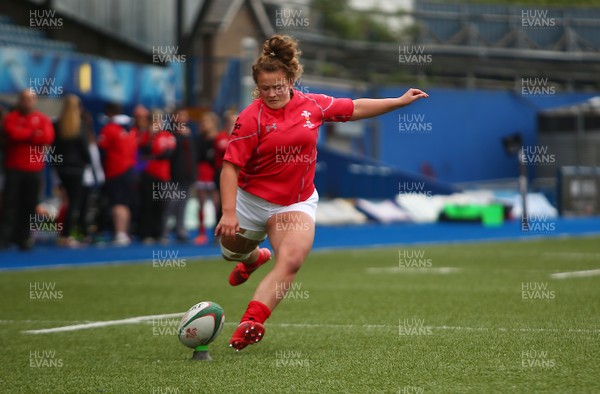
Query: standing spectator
{"points": [[93, 179], [119, 148], [183, 171], [156, 146], [220, 146], [141, 125], [3, 113], [205, 184], [26, 132], [71, 144]]}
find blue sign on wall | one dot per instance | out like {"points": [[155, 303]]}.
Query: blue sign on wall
{"points": [[92, 78]]}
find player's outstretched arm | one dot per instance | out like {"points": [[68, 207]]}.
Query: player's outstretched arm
{"points": [[368, 108], [228, 225]]}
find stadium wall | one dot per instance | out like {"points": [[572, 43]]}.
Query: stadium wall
{"points": [[461, 131]]}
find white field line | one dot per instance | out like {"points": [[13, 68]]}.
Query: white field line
{"points": [[406, 270], [106, 323], [575, 255], [147, 319], [449, 328], [575, 274], [45, 321]]}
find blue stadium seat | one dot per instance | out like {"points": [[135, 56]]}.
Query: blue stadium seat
{"points": [[29, 38]]}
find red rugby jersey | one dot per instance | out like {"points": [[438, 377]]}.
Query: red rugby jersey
{"points": [[27, 137], [220, 145], [160, 146], [120, 147], [276, 149]]}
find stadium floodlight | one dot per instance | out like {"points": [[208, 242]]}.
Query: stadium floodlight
{"points": [[513, 146]]}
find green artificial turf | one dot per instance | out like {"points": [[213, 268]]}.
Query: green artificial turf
{"points": [[356, 321]]}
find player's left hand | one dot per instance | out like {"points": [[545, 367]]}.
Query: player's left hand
{"points": [[412, 95]]}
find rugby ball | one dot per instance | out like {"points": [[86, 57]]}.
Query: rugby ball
{"points": [[201, 324]]}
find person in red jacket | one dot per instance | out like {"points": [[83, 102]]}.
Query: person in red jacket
{"points": [[27, 134], [119, 148], [156, 146]]}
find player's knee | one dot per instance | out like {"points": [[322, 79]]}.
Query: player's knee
{"points": [[292, 259]]}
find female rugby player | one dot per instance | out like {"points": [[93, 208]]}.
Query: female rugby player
{"points": [[267, 177]]}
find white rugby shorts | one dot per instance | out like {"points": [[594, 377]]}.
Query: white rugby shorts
{"points": [[253, 212]]}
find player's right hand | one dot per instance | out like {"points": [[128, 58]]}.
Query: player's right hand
{"points": [[228, 225]]}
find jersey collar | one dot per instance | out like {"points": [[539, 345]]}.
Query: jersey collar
{"points": [[283, 112]]}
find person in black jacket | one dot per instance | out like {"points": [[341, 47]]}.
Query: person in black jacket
{"points": [[183, 170], [71, 146]]}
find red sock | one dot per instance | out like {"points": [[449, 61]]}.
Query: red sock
{"points": [[256, 311]]}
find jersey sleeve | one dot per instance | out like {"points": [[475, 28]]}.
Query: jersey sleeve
{"points": [[16, 131], [44, 135], [243, 141], [105, 138], [334, 109]]}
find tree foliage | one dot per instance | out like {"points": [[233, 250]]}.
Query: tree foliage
{"points": [[339, 20]]}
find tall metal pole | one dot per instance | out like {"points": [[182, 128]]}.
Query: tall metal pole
{"points": [[523, 188], [249, 53]]}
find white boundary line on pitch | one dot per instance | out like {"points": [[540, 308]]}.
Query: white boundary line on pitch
{"points": [[578, 255], [145, 319], [575, 274], [408, 270], [106, 323], [45, 321], [450, 328]]}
